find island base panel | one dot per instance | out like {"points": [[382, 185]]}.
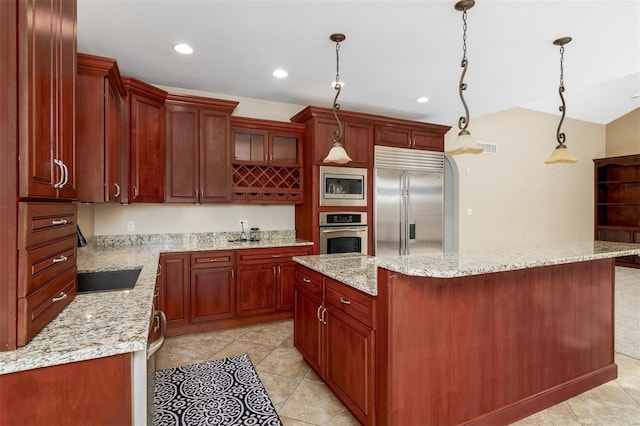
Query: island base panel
{"points": [[504, 344]]}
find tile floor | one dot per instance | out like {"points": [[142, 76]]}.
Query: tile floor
{"points": [[301, 398]]}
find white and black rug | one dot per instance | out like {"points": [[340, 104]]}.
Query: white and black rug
{"points": [[221, 392]]}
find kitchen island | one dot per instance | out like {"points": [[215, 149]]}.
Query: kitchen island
{"points": [[479, 337]]}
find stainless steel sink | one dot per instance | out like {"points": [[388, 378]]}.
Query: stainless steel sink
{"points": [[121, 279]]}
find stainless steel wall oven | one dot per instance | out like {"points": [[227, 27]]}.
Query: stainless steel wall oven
{"points": [[343, 232]]}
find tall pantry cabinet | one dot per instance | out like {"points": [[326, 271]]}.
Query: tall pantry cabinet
{"points": [[37, 91]]}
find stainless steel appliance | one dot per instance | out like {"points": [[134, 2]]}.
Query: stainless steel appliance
{"points": [[408, 201], [343, 232], [343, 186]]}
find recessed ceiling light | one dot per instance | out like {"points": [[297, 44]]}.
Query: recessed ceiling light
{"points": [[183, 48], [422, 100], [341, 83], [280, 73]]}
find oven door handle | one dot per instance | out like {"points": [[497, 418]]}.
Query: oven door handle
{"points": [[157, 344], [328, 231]]}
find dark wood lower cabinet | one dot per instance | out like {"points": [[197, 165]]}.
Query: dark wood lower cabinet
{"points": [[92, 392], [335, 341], [213, 294], [206, 290]]}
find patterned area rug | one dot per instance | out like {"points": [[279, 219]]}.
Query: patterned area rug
{"points": [[222, 392]]}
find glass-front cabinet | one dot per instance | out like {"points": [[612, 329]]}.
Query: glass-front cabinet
{"points": [[267, 157]]}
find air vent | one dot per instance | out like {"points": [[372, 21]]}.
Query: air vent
{"points": [[488, 148]]}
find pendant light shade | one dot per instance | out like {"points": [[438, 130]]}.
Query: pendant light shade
{"points": [[337, 154], [465, 143], [561, 153]]}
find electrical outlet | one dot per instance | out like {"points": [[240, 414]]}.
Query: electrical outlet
{"points": [[131, 226], [244, 224]]}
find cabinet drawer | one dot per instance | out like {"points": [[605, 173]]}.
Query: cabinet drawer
{"points": [[41, 222], [350, 301], [38, 309], [270, 255], [212, 259], [40, 265], [309, 280]]}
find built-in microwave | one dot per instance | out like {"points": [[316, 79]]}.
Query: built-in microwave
{"points": [[343, 186]]}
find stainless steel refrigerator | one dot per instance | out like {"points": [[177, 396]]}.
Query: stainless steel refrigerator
{"points": [[408, 201]]}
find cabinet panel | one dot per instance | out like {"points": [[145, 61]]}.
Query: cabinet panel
{"points": [[146, 127], [427, 141], [174, 287], [357, 141], [182, 166], [38, 266], [285, 292], [46, 39], [307, 327], [215, 159], [114, 141], [77, 393], [256, 289], [212, 294], [349, 367]]}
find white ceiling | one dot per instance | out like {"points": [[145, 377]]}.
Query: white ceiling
{"points": [[395, 51]]}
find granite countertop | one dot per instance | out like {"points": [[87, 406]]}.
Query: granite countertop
{"points": [[109, 323], [360, 271]]}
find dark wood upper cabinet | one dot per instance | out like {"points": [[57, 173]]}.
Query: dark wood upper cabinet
{"points": [[145, 112], [198, 155], [100, 131], [429, 137], [46, 80]]}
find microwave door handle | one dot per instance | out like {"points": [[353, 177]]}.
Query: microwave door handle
{"points": [[328, 231]]}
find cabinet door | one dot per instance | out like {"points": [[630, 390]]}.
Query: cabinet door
{"points": [[66, 43], [215, 158], [348, 363], [212, 294], [256, 289], [286, 277], [284, 150], [174, 287], [307, 327], [393, 136], [114, 143], [357, 141], [249, 146], [37, 34], [182, 166], [147, 149], [427, 141]]}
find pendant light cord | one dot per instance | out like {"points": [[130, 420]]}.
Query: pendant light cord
{"points": [[560, 135], [337, 135], [463, 122]]}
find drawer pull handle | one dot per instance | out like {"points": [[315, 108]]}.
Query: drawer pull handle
{"points": [[117, 194], [306, 280], [318, 313], [346, 302], [62, 296], [214, 260], [59, 259], [276, 255], [59, 222]]}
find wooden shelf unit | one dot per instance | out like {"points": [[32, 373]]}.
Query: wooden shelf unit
{"points": [[617, 202]]}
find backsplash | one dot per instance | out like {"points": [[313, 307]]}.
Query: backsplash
{"points": [[132, 240]]}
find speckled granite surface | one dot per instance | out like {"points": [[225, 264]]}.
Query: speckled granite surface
{"points": [[360, 271], [355, 270], [449, 265], [110, 323]]}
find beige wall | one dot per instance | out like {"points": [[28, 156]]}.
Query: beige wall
{"points": [[623, 135], [517, 199]]}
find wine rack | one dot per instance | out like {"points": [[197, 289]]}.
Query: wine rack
{"points": [[266, 184]]}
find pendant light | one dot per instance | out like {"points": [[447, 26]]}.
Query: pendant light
{"points": [[561, 154], [465, 143], [337, 154]]}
